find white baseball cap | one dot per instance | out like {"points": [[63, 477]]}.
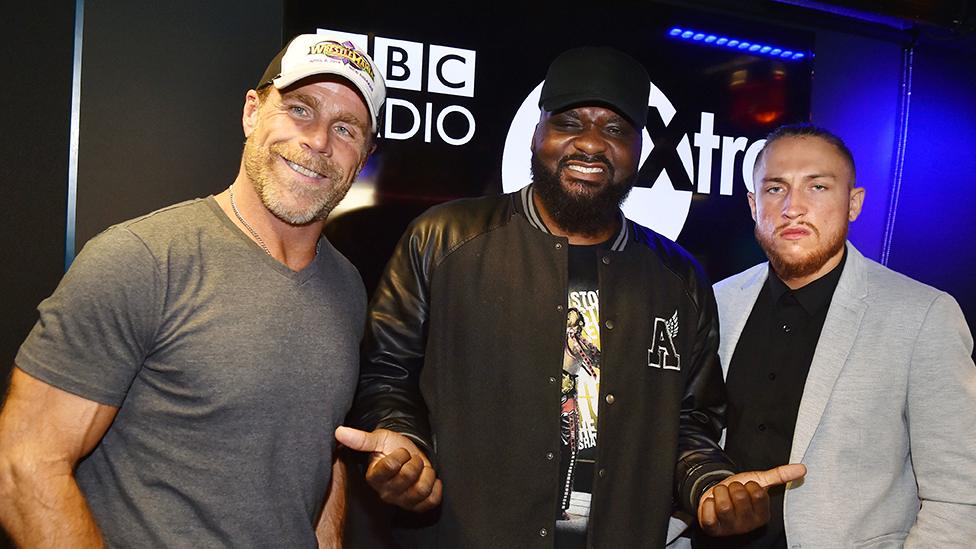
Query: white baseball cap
{"points": [[310, 54]]}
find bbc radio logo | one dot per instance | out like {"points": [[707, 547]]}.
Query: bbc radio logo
{"points": [[450, 72]]}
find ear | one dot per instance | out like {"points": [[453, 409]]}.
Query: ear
{"points": [[535, 136], [856, 201], [249, 118], [752, 204]]}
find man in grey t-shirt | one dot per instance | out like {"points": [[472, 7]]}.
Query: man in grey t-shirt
{"points": [[183, 383]]}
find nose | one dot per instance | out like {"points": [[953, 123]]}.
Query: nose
{"points": [[590, 141], [317, 138], [794, 205]]}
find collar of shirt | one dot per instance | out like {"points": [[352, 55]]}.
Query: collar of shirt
{"points": [[525, 205], [814, 295]]}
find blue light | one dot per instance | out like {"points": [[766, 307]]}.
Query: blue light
{"points": [[735, 43]]}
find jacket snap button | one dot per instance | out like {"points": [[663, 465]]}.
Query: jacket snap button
{"points": [[559, 245], [552, 379], [602, 473], [606, 260], [610, 398], [559, 308], [550, 456], [543, 532], [608, 324]]}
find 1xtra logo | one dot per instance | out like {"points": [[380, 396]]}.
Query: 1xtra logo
{"points": [[658, 205]]}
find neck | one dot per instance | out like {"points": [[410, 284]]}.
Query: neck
{"points": [[293, 245], [797, 282], [580, 239]]}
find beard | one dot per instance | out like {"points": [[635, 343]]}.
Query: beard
{"points": [[789, 268], [587, 214], [288, 200]]}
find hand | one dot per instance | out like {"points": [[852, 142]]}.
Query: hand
{"points": [[399, 472], [740, 503]]}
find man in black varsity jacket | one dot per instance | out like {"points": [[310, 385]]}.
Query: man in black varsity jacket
{"points": [[472, 397]]}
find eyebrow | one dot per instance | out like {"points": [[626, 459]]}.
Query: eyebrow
{"points": [[309, 100], [350, 118], [781, 179], [571, 113]]}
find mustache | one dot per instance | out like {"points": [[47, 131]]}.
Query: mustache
{"points": [[588, 158], [806, 224], [315, 163]]}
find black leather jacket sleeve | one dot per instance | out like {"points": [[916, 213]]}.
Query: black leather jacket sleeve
{"points": [[389, 395], [701, 461]]}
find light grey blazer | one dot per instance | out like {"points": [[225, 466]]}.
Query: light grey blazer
{"points": [[887, 421]]}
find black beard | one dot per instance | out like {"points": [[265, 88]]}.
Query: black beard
{"points": [[582, 215]]}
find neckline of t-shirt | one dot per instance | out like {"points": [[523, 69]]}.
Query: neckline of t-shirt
{"points": [[605, 245], [254, 248]]}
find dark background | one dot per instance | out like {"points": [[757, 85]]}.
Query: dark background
{"points": [[162, 88], [750, 95]]}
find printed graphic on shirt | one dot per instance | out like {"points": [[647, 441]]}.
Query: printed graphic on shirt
{"points": [[580, 395], [662, 352]]}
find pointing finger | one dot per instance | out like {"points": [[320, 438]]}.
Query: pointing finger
{"points": [[360, 441], [782, 474]]}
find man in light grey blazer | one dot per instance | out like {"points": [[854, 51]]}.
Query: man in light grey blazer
{"points": [[834, 361]]}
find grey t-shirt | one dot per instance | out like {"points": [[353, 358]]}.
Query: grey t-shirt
{"points": [[230, 372]]}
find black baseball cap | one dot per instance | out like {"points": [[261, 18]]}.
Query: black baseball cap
{"points": [[597, 76]]}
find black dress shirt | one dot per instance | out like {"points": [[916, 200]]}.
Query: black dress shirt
{"points": [[765, 383]]}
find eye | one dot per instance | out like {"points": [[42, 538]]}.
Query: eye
{"points": [[819, 187], [565, 124], [344, 130], [774, 189], [299, 110]]}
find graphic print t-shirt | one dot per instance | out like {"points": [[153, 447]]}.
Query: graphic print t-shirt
{"points": [[580, 384]]}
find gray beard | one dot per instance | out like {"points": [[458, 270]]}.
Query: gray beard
{"points": [[257, 165]]}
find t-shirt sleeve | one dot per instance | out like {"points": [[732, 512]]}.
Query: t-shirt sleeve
{"points": [[94, 332]]}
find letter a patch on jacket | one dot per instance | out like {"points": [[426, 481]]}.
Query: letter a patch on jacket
{"points": [[662, 353]]}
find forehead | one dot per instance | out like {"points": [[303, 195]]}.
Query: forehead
{"points": [[601, 112], [802, 151]]}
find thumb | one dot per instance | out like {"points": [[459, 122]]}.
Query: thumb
{"points": [[360, 441], [782, 474]]}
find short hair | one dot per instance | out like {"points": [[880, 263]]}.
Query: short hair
{"points": [[808, 130], [263, 92]]}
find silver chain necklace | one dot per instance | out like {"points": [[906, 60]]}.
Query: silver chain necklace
{"points": [[233, 206]]}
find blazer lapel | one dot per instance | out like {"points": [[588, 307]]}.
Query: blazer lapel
{"points": [[839, 332], [734, 315]]}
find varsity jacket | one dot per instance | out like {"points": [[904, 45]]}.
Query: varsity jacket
{"points": [[463, 354]]}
